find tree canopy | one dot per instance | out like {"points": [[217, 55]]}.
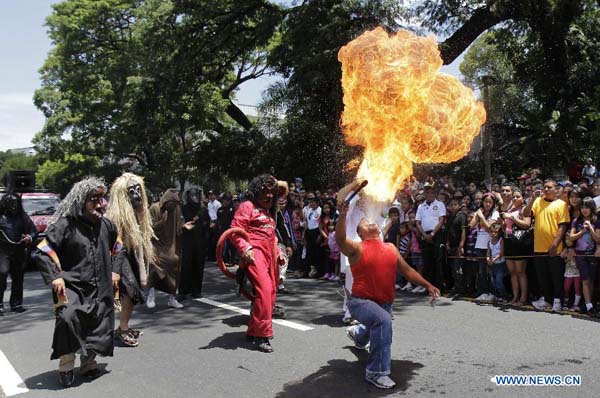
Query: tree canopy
{"points": [[149, 85]]}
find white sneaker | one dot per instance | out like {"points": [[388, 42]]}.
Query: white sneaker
{"points": [[419, 289], [540, 305], [556, 307], [350, 332], [150, 300], [491, 297], [174, 303], [481, 297], [313, 272], [408, 286]]}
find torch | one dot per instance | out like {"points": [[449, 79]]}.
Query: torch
{"points": [[356, 191]]}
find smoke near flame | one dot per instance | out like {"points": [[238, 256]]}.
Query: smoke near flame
{"points": [[401, 109]]}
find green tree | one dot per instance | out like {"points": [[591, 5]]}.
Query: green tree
{"points": [[146, 80], [540, 57], [310, 142], [60, 175]]}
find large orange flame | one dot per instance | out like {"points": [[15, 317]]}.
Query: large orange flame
{"points": [[401, 109]]}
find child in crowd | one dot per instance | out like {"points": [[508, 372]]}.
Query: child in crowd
{"points": [[495, 260], [470, 263], [403, 244], [572, 278], [414, 253], [585, 233], [390, 231], [334, 253]]}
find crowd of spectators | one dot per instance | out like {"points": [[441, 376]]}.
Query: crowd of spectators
{"points": [[527, 241]]}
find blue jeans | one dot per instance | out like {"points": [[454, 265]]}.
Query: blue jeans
{"points": [[375, 327], [498, 272]]}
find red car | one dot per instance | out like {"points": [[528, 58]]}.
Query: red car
{"points": [[40, 206]]}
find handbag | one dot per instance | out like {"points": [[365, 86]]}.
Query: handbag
{"points": [[522, 237]]}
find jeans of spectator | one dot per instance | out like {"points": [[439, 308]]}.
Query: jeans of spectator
{"points": [[12, 262], [586, 266], [550, 271], [432, 261], [483, 274], [312, 249], [498, 273], [375, 327], [456, 266]]}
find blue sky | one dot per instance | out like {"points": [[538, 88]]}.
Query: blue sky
{"points": [[24, 47]]}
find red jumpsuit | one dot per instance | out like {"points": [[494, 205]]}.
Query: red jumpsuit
{"points": [[264, 272]]}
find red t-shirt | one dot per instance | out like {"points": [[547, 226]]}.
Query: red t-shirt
{"points": [[375, 272]]}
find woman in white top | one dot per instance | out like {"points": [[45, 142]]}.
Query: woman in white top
{"points": [[483, 219]]}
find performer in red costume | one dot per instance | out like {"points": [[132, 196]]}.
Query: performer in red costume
{"points": [[260, 253]]}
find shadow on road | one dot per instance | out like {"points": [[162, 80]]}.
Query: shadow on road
{"points": [[229, 341], [49, 380], [343, 378]]}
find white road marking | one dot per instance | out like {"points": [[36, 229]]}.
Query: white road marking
{"points": [[9, 378], [289, 324]]}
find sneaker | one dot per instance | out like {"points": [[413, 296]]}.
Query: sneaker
{"points": [[173, 303], [263, 344], [541, 305], [332, 277], [380, 381], [350, 332], [491, 297], [397, 286], [556, 307], [575, 308], [419, 289], [481, 297], [313, 272], [150, 300], [336, 278], [408, 286], [326, 276]]}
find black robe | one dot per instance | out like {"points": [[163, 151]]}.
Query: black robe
{"points": [[84, 250], [126, 265]]}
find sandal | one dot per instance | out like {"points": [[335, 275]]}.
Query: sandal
{"points": [[125, 338], [136, 334]]}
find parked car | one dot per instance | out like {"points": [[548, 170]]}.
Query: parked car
{"points": [[40, 206]]}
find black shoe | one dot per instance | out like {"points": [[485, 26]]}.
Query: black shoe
{"points": [[2, 310], [196, 295], [92, 374], [19, 309], [66, 378], [263, 344], [278, 312]]}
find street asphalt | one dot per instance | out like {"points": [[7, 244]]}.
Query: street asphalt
{"points": [[452, 350]]}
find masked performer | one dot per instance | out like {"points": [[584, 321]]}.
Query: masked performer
{"points": [[17, 231], [167, 222], [76, 258], [195, 245], [374, 264], [128, 209], [257, 217]]}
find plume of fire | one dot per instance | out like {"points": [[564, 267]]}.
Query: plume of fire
{"points": [[401, 109]]}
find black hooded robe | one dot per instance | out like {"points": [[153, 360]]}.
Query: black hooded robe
{"points": [[84, 250]]}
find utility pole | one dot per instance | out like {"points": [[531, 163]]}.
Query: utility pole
{"points": [[486, 133]]}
